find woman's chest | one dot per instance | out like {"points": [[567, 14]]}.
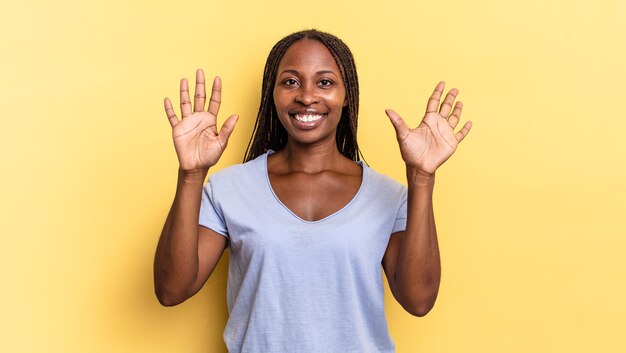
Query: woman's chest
{"points": [[313, 197]]}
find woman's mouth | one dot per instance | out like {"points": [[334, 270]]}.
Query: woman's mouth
{"points": [[308, 118], [308, 121]]}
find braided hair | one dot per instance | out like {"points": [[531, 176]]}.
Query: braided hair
{"points": [[268, 131]]}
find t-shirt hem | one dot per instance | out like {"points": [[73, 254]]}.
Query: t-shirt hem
{"points": [[214, 228]]}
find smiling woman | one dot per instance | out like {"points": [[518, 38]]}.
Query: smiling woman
{"points": [[308, 225], [269, 133], [309, 94]]}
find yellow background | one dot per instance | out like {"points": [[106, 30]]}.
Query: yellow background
{"points": [[530, 210]]}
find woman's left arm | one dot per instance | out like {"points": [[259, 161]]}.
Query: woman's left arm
{"points": [[411, 261]]}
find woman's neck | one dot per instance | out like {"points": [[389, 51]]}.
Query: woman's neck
{"points": [[311, 158]]}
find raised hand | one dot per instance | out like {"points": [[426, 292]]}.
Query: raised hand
{"points": [[433, 141], [197, 142]]}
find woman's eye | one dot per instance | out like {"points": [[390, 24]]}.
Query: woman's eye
{"points": [[326, 83], [290, 82]]}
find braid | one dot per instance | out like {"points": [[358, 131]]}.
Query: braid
{"points": [[269, 133]]}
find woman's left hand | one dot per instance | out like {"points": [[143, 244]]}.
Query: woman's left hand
{"points": [[433, 141]]}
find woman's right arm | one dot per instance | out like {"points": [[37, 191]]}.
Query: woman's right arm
{"points": [[187, 253]]}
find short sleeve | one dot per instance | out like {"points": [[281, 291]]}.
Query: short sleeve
{"points": [[400, 222], [211, 215]]}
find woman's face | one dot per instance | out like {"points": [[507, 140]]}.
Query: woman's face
{"points": [[309, 93]]}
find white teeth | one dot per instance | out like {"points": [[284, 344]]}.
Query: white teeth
{"points": [[307, 118]]}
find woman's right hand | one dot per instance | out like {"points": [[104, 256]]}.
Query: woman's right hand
{"points": [[198, 143]]}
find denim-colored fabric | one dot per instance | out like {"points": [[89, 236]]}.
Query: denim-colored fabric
{"points": [[301, 286]]}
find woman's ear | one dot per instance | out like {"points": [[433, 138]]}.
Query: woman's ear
{"points": [[345, 102]]}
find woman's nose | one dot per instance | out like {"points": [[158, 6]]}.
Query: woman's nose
{"points": [[307, 95]]}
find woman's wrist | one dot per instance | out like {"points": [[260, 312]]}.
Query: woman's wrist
{"points": [[193, 176], [418, 177]]}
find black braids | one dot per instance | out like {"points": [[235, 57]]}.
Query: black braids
{"points": [[269, 133]]}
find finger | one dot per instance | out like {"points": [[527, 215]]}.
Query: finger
{"points": [[171, 115], [200, 92], [398, 123], [433, 101], [446, 106], [185, 103], [227, 128], [216, 96], [456, 114], [464, 131]]}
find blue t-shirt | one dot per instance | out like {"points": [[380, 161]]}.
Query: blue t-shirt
{"points": [[303, 286]]}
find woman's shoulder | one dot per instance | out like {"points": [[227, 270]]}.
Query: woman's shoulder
{"points": [[236, 173], [381, 181]]}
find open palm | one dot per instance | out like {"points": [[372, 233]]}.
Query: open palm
{"points": [[433, 141], [198, 143]]}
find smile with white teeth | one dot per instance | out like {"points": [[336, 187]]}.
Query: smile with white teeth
{"points": [[308, 118]]}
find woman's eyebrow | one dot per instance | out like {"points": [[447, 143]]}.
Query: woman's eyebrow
{"points": [[290, 71], [326, 72], [296, 72]]}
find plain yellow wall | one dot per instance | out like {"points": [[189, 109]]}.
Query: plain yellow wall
{"points": [[530, 210]]}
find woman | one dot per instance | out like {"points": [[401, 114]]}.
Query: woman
{"points": [[307, 224]]}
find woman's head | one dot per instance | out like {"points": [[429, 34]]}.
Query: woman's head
{"points": [[269, 132]]}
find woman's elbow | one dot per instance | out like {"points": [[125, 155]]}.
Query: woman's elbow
{"points": [[420, 310], [165, 301], [420, 306], [168, 298]]}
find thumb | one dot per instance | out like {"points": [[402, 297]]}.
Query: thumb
{"points": [[401, 128], [227, 128]]}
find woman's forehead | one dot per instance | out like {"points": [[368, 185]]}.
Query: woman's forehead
{"points": [[308, 55]]}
